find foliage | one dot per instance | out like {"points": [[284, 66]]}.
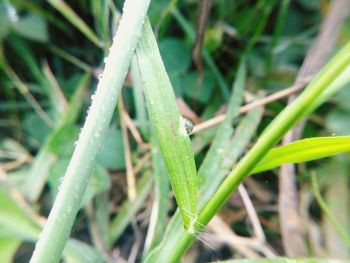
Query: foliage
{"points": [[64, 160]]}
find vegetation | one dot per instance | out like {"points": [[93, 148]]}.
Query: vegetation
{"points": [[132, 130]]}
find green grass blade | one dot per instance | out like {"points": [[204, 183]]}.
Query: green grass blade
{"points": [[139, 98], [75, 181], [160, 206], [168, 125], [343, 233], [35, 71], [72, 17], [70, 58], [18, 222], [234, 148], [226, 155], [304, 151], [175, 232], [8, 249], [340, 82], [39, 171], [278, 127]]}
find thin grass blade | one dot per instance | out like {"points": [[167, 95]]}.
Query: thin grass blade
{"points": [[69, 197], [304, 151], [73, 17], [169, 126]]}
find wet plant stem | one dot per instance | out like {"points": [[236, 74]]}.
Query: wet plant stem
{"points": [[68, 201]]}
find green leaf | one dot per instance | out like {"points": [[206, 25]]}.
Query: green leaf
{"points": [[193, 90], [169, 126], [175, 54], [158, 221], [32, 27], [112, 150], [303, 151], [8, 248], [13, 220], [79, 252], [36, 127], [338, 121], [62, 144]]}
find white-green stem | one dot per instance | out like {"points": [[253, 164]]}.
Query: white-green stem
{"points": [[57, 229]]}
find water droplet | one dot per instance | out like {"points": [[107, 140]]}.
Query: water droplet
{"points": [[60, 181], [188, 125], [100, 76], [105, 60]]}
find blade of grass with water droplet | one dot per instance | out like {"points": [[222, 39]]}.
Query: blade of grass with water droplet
{"points": [[168, 125], [69, 197], [214, 168]]}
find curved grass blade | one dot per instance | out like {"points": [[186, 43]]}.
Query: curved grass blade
{"points": [[72, 17], [227, 142], [169, 126], [304, 151]]}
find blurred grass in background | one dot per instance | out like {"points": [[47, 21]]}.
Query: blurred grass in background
{"points": [[51, 56]]}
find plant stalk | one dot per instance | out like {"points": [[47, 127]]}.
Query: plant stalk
{"points": [[68, 201]]}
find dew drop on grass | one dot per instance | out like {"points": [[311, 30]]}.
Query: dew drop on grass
{"points": [[60, 181], [188, 125]]}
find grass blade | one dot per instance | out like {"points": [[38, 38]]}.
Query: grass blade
{"points": [[39, 171], [214, 167], [72, 17], [343, 233], [169, 126], [304, 151], [160, 207], [69, 197]]}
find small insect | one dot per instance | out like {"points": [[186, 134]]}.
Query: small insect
{"points": [[188, 125]]}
